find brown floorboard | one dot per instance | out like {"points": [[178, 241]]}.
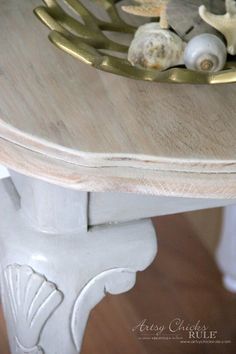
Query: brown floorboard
{"points": [[183, 282]]}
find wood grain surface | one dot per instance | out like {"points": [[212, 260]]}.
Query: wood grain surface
{"points": [[59, 108], [182, 282]]}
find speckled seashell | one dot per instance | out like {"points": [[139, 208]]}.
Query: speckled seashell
{"points": [[156, 48], [206, 53]]}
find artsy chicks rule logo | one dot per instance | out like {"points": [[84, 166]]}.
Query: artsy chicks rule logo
{"points": [[178, 329]]}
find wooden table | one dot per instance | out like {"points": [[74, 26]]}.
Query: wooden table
{"points": [[76, 142]]}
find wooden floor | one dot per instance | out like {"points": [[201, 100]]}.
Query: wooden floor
{"points": [[183, 282]]}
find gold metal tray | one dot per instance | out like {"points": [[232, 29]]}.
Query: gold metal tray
{"points": [[78, 31]]}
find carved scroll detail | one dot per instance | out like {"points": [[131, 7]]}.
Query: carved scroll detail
{"points": [[113, 281], [32, 299]]}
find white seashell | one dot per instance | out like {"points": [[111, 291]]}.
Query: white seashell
{"points": [[156, 48], [148, 28], [32, 299], [206, 53]]}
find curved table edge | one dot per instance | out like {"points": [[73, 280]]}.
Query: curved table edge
{"points": [[120, 179], [117, 160]]}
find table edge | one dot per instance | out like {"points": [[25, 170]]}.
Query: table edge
{"points": [[108, 160], [120, 179]]}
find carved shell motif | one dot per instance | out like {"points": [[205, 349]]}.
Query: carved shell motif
{"points": [[112, 281], [31, 300]]}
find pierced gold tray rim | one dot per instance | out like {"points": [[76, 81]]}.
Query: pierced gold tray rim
{"points": [[79, 45]]}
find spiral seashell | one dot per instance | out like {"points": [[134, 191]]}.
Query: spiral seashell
{"points": [[147, 28], [31, 299], [206, 53], [153, 47]]}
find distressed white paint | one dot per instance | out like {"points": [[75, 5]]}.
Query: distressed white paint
{"points": [[226, 253], [3, 172], [51, 208], [113, 281], [30, 299], [82, 265], [55, 209], [103, 209]]}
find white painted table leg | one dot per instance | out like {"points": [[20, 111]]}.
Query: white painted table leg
{"points": [[226, 253], [54, 271]]}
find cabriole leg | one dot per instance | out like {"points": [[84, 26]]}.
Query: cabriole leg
{"points": [[55, 268]]}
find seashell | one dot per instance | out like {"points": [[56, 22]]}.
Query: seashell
{"points": [[183, 17], [205, 52], [149, 8], [32, 299], [226, 24], [147, 28], [153, 47]]}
